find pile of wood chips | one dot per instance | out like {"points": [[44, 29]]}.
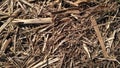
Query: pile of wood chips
{"points": [[59, 34]]}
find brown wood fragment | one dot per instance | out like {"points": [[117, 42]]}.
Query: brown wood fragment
{"points": [[94, 24]]}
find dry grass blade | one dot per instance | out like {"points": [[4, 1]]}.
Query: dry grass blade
{"points": [[42, 30], [15, 38], [59, 45], [27, 3], [22, 7], [62, 60], [45, 43], [72, 10], [5, 44], [50, 62], [111, 39], [10, 19], [94, 24], [33, 64], [14, 62], [76, 3], [108, 23], [33, 21], [72, 3], [3, 5], [39, 11], [86, 49], [44, 63], [110, 59], [3, 13], [10, 7]]}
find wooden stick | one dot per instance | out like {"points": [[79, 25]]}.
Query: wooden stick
{"points": [[33, 21]]}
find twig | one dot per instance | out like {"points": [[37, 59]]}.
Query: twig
{"points": [[33, 21]]}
